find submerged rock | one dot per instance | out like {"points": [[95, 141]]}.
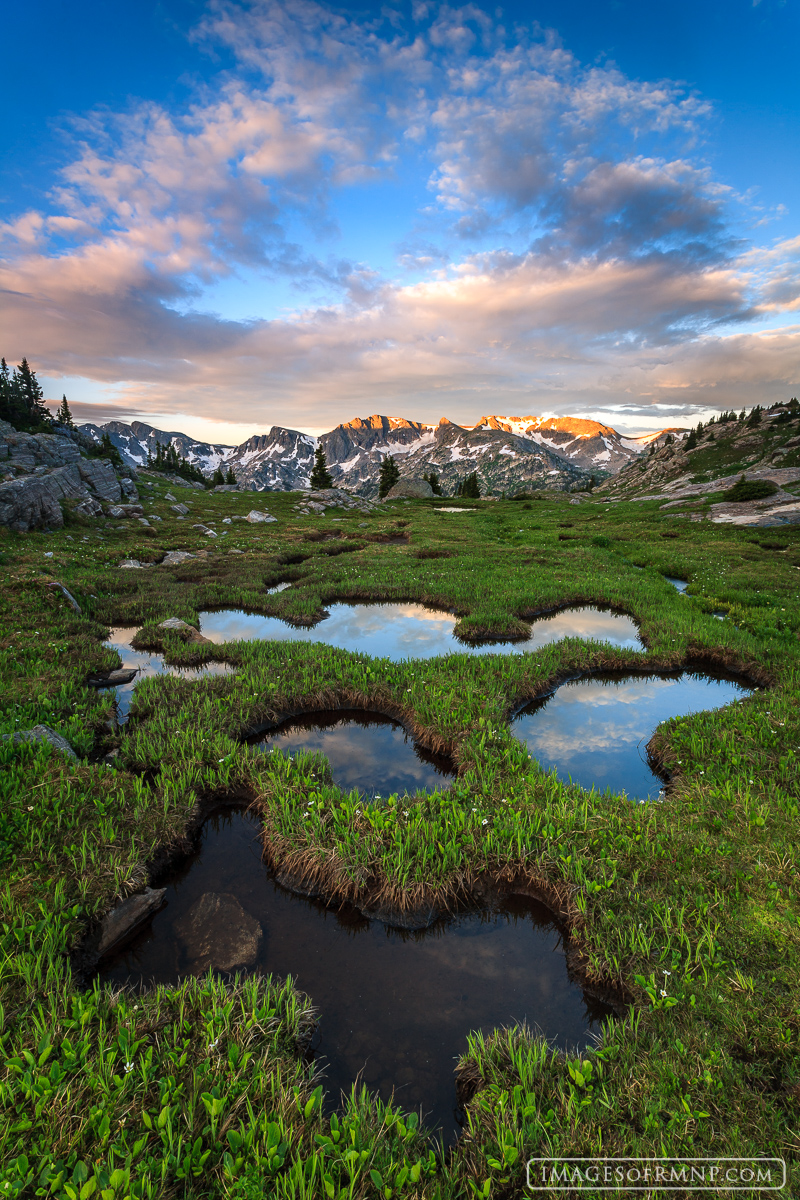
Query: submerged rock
{"points": [[113, 678], [218, 933], [127, 916]]}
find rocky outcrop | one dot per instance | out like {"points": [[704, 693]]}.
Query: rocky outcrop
{"points": [[218, 934], [43, 470]]}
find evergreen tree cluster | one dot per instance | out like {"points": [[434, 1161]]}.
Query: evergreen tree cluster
{"points": [[433, 480], [22, 399], [168, 460], [469, 488]]}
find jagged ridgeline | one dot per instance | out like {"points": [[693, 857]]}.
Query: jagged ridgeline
{"points": [[507, 454]]}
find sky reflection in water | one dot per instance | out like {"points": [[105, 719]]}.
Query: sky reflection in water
{"points": [[400, 631], [395, 1008], [596, 730], [149, 663], [366, 751]]}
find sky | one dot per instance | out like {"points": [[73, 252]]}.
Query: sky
{"points": [[221, 216]]}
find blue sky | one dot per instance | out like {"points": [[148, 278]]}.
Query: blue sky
{"points": [[222, 216]]}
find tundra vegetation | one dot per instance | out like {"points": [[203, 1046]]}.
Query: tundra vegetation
{"points": [[687, 910]]}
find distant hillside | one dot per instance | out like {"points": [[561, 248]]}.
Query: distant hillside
{"points": [[724, 448], [509, 453]]}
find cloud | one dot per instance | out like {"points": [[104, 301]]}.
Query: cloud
{"points": [[578, 254]]}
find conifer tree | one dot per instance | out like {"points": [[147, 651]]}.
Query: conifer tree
{"points": [[63, 415], [433, 480], [320, 475], [471, 489], [390, 473], [230, 478], [31, 395], [755, 417], [691, 440]]}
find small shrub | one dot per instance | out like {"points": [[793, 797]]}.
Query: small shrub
{"points": [[750, 489]]}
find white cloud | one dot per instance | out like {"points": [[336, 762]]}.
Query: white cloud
{"points": [[590, 258]]}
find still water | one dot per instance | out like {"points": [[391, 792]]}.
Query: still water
{"points": [[395, 1007], [400, 631], [149, 663], [365, 750], [594, 731]]}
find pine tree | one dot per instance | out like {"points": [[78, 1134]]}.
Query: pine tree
{"points": [[217, 479], [320, 475], [755, 417], [471, 489], [230, 478], [31, 395], [691, 440], [63, 415], [390, 473], [433, 480]]}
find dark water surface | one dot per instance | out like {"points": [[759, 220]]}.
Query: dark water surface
{"points": [[405, 630], [366, 751], [150, 663], [395, 1008], [595, 730]]}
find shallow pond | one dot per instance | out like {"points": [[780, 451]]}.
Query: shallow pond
{"points": [[595, 730], [680, 585], [395, 1008], [149, 663], [400, 631], [366, 751]]}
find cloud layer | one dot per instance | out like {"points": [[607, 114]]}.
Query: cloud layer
{"points": [[572, 252]]}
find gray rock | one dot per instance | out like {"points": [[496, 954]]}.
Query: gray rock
{"points": [[123, 920], [190, 634], [418, 488], [68, 595], [217, 933], [174, 623], [181, 509], [41, 733], [113, 678], [173, 558], [259, 518], [126, 510], [89, 507], [226, 487], [132, 564], [99, 475], [128, 489]]}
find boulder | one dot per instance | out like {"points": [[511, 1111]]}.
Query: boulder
{"points": [[99, 475], [168, 496], [126, 510], [132, 564], [128, 916], [217, 933], [410, 489], [180, 509], [41, 733], [259, 518], [187, 632]]}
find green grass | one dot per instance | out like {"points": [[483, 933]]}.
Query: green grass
{"points": [[695, 897]]}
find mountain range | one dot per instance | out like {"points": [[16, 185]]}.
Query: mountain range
{"points": [[508, 453]]}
